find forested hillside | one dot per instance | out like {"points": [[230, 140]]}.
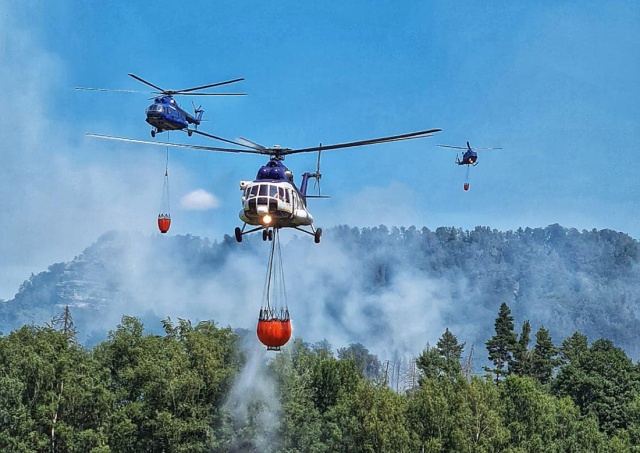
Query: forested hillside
{"points": [[395, 290], [194, 388], [405, 340]]}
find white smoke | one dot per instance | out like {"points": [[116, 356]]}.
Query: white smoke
{"points": [[253, 404]]}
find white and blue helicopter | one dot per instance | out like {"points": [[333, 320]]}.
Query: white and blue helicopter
{"points": [[165, 114], [272, 200], [469, 158]]}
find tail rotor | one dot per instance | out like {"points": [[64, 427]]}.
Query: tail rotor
{"points": [[197, 113], [317, 174]]}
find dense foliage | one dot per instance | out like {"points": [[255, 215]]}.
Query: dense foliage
{"points": [[196, 389]]}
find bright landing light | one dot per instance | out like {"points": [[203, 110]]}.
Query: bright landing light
{"points": [[266, 219]]}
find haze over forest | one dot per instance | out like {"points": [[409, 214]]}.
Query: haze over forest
{"points": [[394, 290]]}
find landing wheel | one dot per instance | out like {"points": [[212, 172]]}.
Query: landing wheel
{"points": [[238, 233], [270, 234], [317, 236], [264, 235], [153, 133], [189, 132]]}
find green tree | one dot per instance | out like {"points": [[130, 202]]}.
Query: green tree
{"points": [[437, 409], [167, 389], [503, 344], [372, 419], [301, 427], [575, 432], [604, 384], [521, 353], [451, 351], [543, 359], [573, 347], [483, 424], [330, 377], [529, 414], [444, 359], [367, 363], [53, 393]]}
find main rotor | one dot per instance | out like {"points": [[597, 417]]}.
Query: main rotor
{"points": [[275, 152], [190, 91]]}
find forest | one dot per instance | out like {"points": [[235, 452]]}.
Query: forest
{"points": [[200, 388]]}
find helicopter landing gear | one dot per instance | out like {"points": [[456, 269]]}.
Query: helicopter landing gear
{"points": [[317, 235], [267, 234], [153, 133], [238, 233], [189, 132]]}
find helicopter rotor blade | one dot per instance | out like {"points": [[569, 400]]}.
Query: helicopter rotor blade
{"points": [[250, 144], [178, 93], [373, 141], [107, 90], [174, 145], [140, 79], [462, 147], [186, 90], [215, 137], [275, 152]]}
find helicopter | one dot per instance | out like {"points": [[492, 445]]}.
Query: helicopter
{"points": [[469, 158], [272, 200], [165, 114]]}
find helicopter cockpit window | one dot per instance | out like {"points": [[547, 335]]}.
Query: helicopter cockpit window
{"points": [[253, 191], [281, 193], [273, 191], [264, 188], [286, 196]]}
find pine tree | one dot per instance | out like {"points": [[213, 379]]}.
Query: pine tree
{"points": [[543, 359], [502, 345], [444, 359], [451, 351], [521, 355], [574, 346]]}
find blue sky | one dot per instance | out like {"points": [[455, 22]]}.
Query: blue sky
{"points": [[555, 84]]}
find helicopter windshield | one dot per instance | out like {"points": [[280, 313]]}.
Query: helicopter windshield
{"points": [[267, 190]]}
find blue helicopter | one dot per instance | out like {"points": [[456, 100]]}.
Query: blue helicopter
{"points": [[469, 158], [165, 114], [272, 201]]}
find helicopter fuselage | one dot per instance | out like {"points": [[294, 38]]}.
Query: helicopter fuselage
{"points": [[272, 200], [166, 115], [470, 157]]}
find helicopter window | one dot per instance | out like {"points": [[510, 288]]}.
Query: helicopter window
{"points": [[281, 193], [273, 191], [264, 188], [286, 196], [254, 191]]}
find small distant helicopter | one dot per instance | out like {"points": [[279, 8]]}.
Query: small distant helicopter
{"points": [[272, 200], [165, 114], [469, 158]]}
